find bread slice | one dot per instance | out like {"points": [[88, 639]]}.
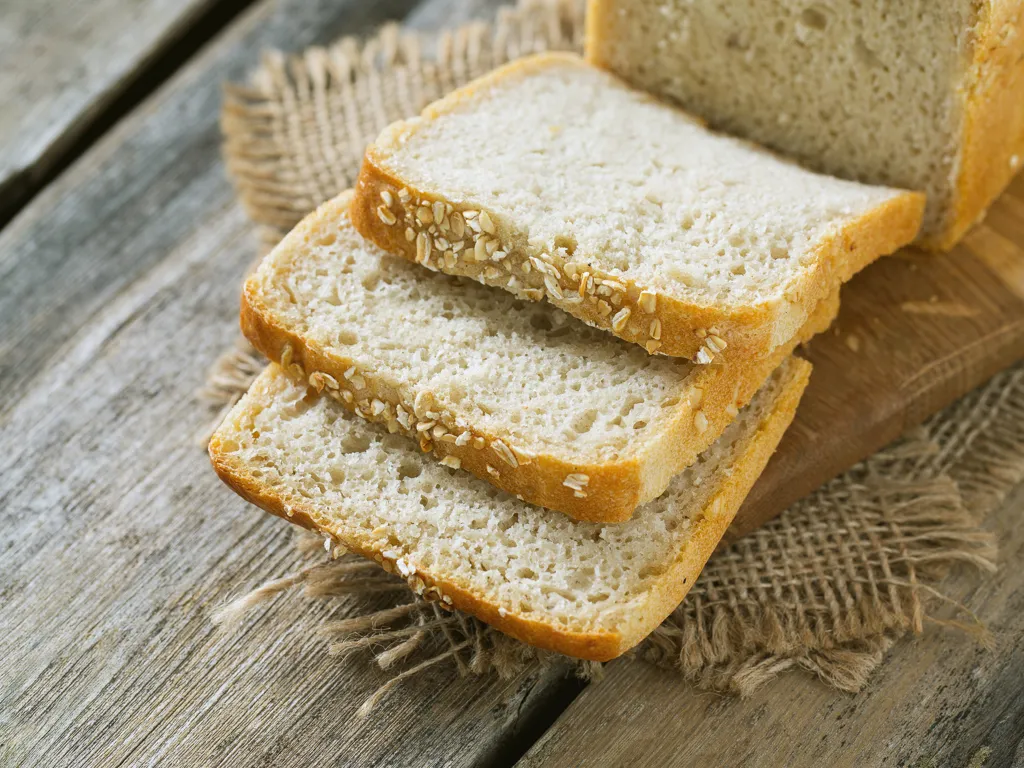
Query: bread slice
{"points": [[519, 394], [553, 179], [584, 589], [925, 96]]}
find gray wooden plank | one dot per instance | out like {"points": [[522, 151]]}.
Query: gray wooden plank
{"points": [[122, 207], [446, 14], [118, 288], [118, 542], [62, 64], [938, 700]]}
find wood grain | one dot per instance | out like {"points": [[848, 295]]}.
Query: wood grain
{"points": [[915, 332], [126, 204], [939, 700], [62, 65], [118, 288]]}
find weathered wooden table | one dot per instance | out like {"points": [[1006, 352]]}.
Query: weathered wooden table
{"points": [[120, 256]]}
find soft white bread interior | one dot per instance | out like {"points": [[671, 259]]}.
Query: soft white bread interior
{"points": [[920, 95], [520, 394], [553, 179], [585, 589]]}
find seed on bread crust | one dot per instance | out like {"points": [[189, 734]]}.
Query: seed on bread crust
{"points": [[384, 214], [620, 319], [552, 286], [423, 248], [577, 481], [700, 421], [504, 452]]}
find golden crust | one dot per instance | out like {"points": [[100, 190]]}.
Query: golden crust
{"points": [[596, 645], [753, 331], [615, 487], [993, 128]]}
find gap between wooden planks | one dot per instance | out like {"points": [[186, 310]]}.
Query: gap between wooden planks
{"points": [[71, 75], [941, 700], [118, 288]]}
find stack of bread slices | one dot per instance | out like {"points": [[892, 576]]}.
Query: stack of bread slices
{"points": [[535, 360]]}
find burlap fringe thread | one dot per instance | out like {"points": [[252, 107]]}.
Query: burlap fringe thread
{"points": [[295, 136], [827, 587]]}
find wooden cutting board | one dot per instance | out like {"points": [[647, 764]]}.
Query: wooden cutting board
{"points": [[915, 332]]}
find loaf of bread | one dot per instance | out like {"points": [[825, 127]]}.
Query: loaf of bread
{"points": [[553, 179], [920, 95], [585, 589], [519, 394]]}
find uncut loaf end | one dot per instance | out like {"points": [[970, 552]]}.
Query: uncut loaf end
{"points": [[925, 96]]}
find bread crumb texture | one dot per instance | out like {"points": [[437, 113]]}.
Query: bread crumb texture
{"points": [[377, 493], [464, 363], [566, 165], [871, 90]]}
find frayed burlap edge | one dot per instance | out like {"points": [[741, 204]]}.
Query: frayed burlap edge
{"points": [[827, 587], [295, 135]]}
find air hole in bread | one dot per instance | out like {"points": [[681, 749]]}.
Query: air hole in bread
{"points": [[815, 18], [568, 242], [541, 321], [629, 404], [370, 280], [583, 422], [393, 443], [355, 443], [866, 56]]}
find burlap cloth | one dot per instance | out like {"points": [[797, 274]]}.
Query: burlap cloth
{"points": [[827, 587]]}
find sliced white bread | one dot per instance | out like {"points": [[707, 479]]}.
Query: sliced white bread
{"points": [[585, 589], [520, 394], [920, 95], [553, 179]]}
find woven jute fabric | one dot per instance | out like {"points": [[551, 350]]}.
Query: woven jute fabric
{"points": [[827, 587]]}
